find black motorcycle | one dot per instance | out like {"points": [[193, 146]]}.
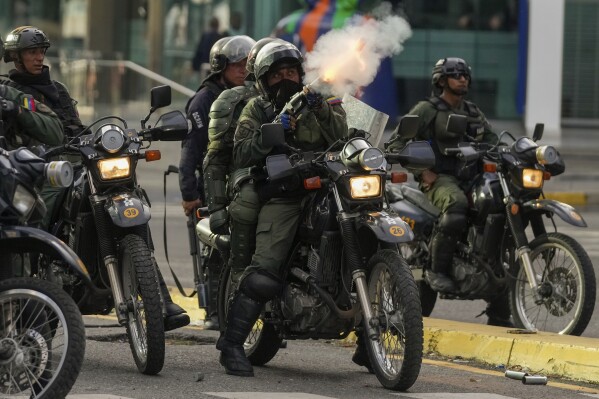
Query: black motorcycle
{"points": [[105, 220], [42, 335], [345, 273], [550, 279]]}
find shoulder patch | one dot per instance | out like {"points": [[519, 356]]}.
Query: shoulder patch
{"points": [[334, 100], [41, 107]]}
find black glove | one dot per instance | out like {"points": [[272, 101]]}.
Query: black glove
{"points": [[314, 100], [9, 107], [219, 221]]}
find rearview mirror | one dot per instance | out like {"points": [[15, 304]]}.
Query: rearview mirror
{"points": [[272, 134], [408, 126], [160, 96], [457, 124], [538, 132]]}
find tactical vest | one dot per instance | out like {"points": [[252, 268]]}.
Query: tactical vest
{"points": [[64, 109], [474, 130]]}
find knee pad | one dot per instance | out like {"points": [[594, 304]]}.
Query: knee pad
{"points": [[451, 223], [260, 287]]}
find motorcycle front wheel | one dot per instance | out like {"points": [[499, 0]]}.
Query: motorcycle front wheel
{"points": [[263, 342], [565, 298], [428, 297], [42, 339], [145, 323], [396, 352]]}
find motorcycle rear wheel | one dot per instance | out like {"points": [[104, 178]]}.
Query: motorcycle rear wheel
{"points": [[396, 353], [566, 295], [42, 336], [145, 323], [264, 342]]}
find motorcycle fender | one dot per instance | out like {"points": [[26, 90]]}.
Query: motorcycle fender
{"points": [[29, 239], [387, 227], [126, 210], [568, 213]]}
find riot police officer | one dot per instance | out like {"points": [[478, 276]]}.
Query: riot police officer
{"points": [[227, 69], [278, 70], [451, 80], [228, 57], [26, 47], [223, 181]]}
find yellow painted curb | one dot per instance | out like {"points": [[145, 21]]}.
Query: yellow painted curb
{"points": [[574, 198], [575, 358]]}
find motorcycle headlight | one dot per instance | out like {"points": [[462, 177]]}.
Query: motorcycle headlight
{"points": [[532, 178], [23, 200], [365, 186], [114, 168]]}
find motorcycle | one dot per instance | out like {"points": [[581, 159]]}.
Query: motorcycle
{"points": [[104, 219], [42, 335], [550, 279], [345, 273]]}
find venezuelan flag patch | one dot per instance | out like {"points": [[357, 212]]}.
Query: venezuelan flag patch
{"points": [[29, 103], [334, 100]]}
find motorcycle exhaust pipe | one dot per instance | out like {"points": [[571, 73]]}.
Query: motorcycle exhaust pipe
{"points": [[206, 236]]}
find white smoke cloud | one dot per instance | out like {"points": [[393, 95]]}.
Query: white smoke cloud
{"points": [[335, 53]]}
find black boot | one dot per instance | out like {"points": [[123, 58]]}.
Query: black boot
{"points": [[360, 356], [442, 248], [498, 312], [242, 316], [176, 316]]}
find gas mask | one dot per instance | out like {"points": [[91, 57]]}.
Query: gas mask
{"points": [[282, 91]]}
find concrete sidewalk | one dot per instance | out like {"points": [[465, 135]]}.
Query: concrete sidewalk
{"points": [[563, 356]]}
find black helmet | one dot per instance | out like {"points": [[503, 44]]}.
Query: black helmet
{"points": [[277, 52], [22, 38], [254, 52], [448, 66], [229, 50]]}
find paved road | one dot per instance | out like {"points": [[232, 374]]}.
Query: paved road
{"points": [[303, 370]]}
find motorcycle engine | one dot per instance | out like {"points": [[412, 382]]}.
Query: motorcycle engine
{"points": [[303, 310], [469, 278]]}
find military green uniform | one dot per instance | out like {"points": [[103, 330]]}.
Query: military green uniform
{"points": [[446, 192], [278, 218], [54, 95], [433, 113], [34, 125]]}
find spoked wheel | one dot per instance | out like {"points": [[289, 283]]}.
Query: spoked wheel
{"points": [[428, 297], [565, 298], [264, 342], [42, 339], [145, 324], [396, 352]]}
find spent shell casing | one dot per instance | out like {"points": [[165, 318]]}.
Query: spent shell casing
{"points": [[515, 375], [534, 380]]}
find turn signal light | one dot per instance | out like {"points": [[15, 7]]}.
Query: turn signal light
{"points": [[490, 167], [312, 183], [399, 177], [546, 175], [152, 155]]}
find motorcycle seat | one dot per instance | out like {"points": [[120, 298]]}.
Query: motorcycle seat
{"points": [[398, 192]]}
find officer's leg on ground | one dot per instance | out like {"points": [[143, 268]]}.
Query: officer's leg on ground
{"points": [[176, 316], [243, 212], [261, 281], [447, 195], [498, 311], [360, 356]]}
